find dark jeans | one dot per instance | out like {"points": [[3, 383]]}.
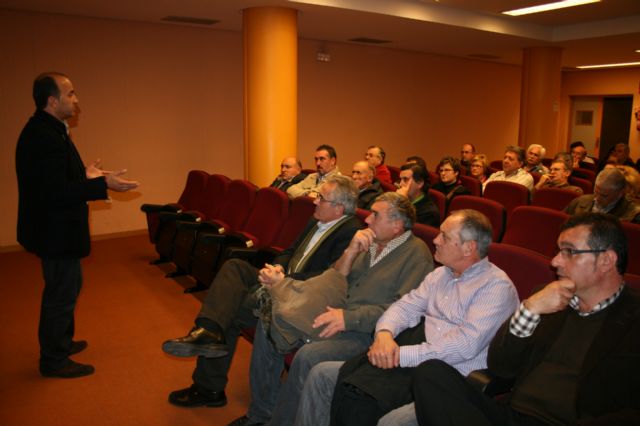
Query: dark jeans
{"points": [[444, 397], [230, 303], [62, 283]]}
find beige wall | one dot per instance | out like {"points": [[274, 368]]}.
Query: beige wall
{"points": [[600, 83], [163, 99]]}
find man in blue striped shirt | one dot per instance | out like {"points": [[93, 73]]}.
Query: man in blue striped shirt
{"points": [[451, 316]]}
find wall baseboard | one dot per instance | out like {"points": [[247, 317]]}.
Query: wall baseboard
{"points": [[124, 234]]}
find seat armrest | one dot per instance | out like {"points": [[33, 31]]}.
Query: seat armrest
{"points": [[157, 208], [488, 383]]}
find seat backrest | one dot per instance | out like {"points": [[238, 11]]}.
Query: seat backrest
{"points": [[214, 195], [509, 194], [440, 201], [472, 184], [632, 280], [300, 211], [527, 269], [362, 214], [492, 209], [547, 162], [426, 233], [496, 164], [388, 187], [584, 184], [553, 198], [535, 228], [239, 201], [191, 196], [395, 173], [632, 231], [433, 178], [583, 173], [536, 177], [269, 212]]}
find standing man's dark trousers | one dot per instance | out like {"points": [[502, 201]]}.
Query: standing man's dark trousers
{"points": [[62, 283]]}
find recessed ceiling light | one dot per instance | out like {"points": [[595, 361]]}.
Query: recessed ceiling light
{"points": [[549, 6], [622, 64]]}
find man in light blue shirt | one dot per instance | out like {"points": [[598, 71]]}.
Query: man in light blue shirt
{"points": [[451, 316]]}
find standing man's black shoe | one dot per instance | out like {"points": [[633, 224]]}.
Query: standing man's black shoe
{"points": [[71, 370], [192, 397], [78, 346], [200, 342]]}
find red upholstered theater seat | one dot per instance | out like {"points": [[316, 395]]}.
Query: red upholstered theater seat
{"points": [[535, 228], [440, 201], [427, 234], [301, 210], [509, 194], [553, 198], [527, 269], [395, 173], [472, 184], [584, 184], [492, 209], [632, 231]]}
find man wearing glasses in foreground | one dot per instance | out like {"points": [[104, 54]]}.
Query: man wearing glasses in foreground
{"points": [[572, 348]]}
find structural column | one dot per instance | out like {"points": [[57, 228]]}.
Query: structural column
{"points": [[270, 90], [540, 98]]}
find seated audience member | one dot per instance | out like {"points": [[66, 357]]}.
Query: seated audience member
{"points": [[558, 177], [413, 180], [512, 170], [479, 167], [533, 161], [326, 165], [617, 155], [414, 159], [565, 157], [571, 347], [451, 316], [608, 197], [632, 177], [380, 265], [467, 152], [229, 304], [368, 186], [579, 155], [375, 157], [449, 184], [290, 174]]}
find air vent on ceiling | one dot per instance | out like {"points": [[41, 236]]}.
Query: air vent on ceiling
{"points": [[189, 20], [369, 40], [484, 56]]}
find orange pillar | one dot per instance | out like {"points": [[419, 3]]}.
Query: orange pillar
{"points": [[540, 98], [270, 90]]}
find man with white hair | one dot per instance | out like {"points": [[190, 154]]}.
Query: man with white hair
{"points": [[608, 197], [533, 162]]}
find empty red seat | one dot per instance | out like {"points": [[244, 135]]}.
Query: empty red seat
{"points": [[509, 194], [427, 234], [527, 269], [440, 201], [472, 184], [584, 184], [553, 198], [535, 228]]}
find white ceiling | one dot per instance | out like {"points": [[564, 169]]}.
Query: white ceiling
{"points": [[603, 32]]}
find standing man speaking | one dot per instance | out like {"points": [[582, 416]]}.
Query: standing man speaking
{"points": [[53, 217]]}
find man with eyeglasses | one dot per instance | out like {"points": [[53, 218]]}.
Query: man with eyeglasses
{"points": [[609, 196], [229, 304], [375, 157], [558, 177], [571, 348], [382, 263], [326, 161]]}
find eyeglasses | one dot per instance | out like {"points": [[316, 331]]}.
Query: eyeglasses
{"points": [[445, 170], [321, 199], [568, 253]]}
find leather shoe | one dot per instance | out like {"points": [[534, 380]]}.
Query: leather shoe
{"points": [[71, 370], [192, 397], [199, 342], [244, 421], [78, 346]]}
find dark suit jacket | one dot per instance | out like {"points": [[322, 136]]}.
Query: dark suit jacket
{"points": [[624, 210], [276, 182], [53, 191], [328, 252], [608, 390]]}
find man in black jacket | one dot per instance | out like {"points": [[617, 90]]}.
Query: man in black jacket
{"points": [[229, 304], [571, 347], [54, 187]]}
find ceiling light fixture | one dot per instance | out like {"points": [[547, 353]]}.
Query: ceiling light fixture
{"points": [[622, 64], [547, 7]]}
